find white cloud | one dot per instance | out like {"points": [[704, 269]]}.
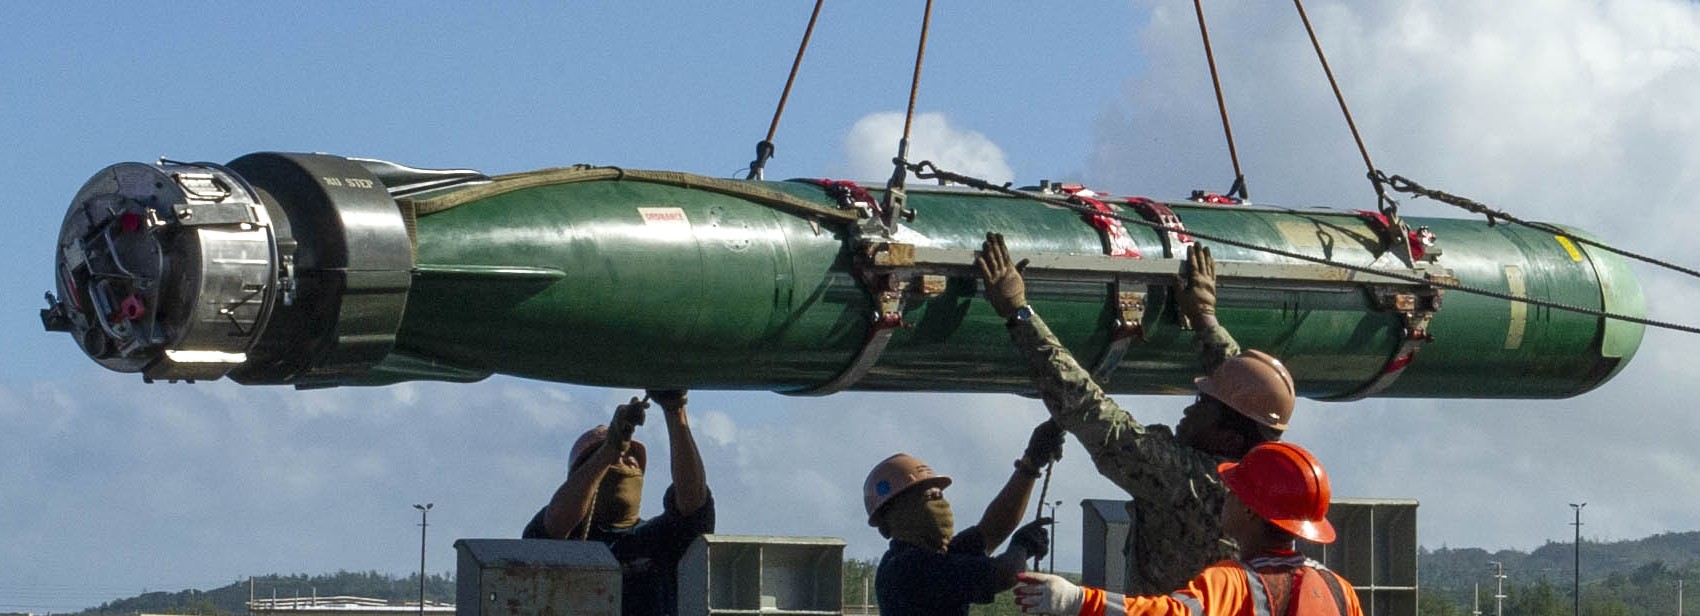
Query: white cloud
{"points": [[714, 426], [872, 143]]}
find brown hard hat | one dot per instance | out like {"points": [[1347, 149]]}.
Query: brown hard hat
{"points": [[1256, 385], [593, 438], [892, 476]]}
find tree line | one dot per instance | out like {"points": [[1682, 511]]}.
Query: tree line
{"points": [[233, 599]]}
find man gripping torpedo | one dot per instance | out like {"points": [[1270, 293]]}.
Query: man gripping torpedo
{"points": [[604, 486], [1246, 399]]}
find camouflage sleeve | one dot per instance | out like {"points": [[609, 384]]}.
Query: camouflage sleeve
{"points": [[1139, 459], [1215, 346]]}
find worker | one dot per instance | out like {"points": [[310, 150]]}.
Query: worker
{"points": [[1246, 399], [599, 502], [1276, 494], [930, 569]]}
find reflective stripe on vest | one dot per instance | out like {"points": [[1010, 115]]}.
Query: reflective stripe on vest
{"points": [[1259, 596], [1115, 604], [1193, 607]]}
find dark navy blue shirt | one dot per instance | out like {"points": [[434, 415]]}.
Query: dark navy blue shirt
{"points": [[913, 580], [648, 552]]}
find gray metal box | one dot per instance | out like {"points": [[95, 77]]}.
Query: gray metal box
{"points": [[525, 577], [1375, 548], [1103, 564], [748, 574]]}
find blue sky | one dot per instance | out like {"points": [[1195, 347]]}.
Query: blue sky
{"points": [[1564, 110]]}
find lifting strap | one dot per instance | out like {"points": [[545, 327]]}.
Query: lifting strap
{"points": [[1204, 196], [1128, 306], [1410, 245], [1416, 308], [887, 290], [1175, 238], [1415, 311], [752, 191], [1117, 242], [851, 196]]}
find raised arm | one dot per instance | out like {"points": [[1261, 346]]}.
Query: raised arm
{"points": [[1075, 401], [690, 481], [572, 501], [1137, 459], [1197, 300], [1004, 512]]}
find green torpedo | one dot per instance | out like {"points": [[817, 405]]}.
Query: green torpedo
{"points": [[316, 270]]}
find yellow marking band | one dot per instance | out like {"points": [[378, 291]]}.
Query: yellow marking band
{"points": [[1518, 287], [1575, 255]]}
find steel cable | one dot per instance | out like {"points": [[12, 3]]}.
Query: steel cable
{"points": [[764, 150], [1384, 203], [915, 81], [1401, 184], [1239, 186]]}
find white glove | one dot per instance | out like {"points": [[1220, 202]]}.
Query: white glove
{"points": [[1040, 593]]}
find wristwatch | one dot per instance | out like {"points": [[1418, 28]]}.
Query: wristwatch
{"points": [[1023, 315]]}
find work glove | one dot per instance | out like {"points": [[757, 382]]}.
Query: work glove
{"points": [[669, 399], [1005, 290], [1042, 593], [1033, 537], [1197, 296], [627, 417], [1045, 445]]}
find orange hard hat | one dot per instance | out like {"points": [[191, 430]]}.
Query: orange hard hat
{"points": [[593, 438], [1254, 384], [892, 476], [1285, 485]]}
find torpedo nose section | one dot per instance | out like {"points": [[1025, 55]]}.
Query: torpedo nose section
{"points": [[275, 268], [168, 269]]}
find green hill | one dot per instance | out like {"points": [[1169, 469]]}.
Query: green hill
{"points": [[1626, 577]]}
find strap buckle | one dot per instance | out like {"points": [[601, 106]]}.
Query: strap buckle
{"points": [[1175, 238]]}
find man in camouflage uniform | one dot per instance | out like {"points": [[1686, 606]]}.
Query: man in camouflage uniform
{"points": [[1171, 475]]}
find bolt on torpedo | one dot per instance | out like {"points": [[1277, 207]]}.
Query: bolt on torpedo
{"points": [[316, 270]]}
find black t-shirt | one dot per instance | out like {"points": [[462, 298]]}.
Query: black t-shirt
{"points": [[648, 552], [912, 580]]}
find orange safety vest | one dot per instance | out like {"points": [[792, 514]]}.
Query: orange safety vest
{"points": [[1236, 588]]}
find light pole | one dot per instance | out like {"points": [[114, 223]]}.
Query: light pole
{"points": [[1576, 588], [424, 513], [1499, 587]]}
